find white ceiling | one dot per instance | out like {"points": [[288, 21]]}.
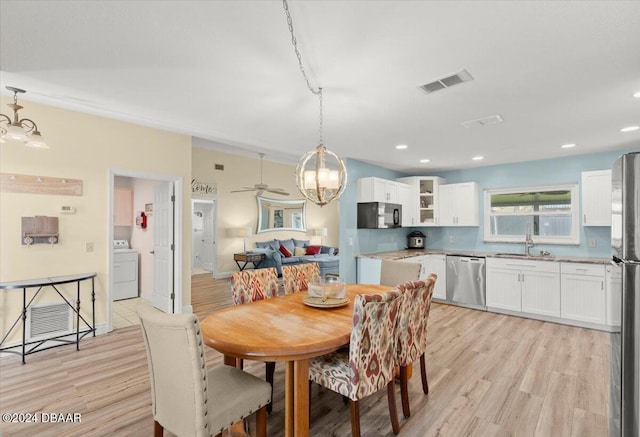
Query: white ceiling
{"points": [[225, 71]]}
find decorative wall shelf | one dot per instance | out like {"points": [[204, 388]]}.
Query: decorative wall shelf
{"points": [[39, 230], [20, 183]]}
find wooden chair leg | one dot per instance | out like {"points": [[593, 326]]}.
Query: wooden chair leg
{"points": [[158, 430], [355, 418], [393, 411], [261, 422], [270, 369], [404, 391], [423, 372]]}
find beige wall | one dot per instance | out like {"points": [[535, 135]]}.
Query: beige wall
{"points": [[82, 147], [241, 210]]}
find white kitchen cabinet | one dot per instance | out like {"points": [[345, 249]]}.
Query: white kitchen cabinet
{"points": [[596, 198], [378, 190], [122, 206], [613, 292], [459, 204], [369, 270], [503, 289], [583, 292], [524, 286], [424, 194], [409, 217], [435, 263]]}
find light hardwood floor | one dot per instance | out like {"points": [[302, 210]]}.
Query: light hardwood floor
{"points": [[489, 375]]}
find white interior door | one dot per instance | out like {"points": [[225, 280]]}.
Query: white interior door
{"points": [[208, 237], [163, 247]]}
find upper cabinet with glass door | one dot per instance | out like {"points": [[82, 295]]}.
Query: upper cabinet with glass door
{"points": [[422, 206], [549, 213]]}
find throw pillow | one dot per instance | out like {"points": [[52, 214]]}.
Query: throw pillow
{"points": [[288, 244], [301, 243], [285, 251], [313, 250], [300, 251]]}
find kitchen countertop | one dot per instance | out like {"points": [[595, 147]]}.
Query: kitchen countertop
{"points": [[408, 253]]}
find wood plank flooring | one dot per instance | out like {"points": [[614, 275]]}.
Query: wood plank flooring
{"points": [[489, 375]]}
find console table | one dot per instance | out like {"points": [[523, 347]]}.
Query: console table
{"points": [[248, 257], [41, 284]]}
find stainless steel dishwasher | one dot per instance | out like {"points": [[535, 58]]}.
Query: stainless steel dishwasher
{"points": [[466, 281]]}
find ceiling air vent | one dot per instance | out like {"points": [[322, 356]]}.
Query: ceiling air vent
{"points": [[446, 82], [492, 119]]}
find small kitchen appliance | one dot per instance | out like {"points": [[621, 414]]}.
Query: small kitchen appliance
{"points": [[415, 240]]}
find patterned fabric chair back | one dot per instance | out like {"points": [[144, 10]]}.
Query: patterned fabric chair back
{"points": [[412, 326], [372, 343], [251, 285], [297, 277]]}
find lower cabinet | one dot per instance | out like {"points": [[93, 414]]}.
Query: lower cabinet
{"points": [[613, 289], [583, 293], [369, 271], [524, 286], [436, 264]]}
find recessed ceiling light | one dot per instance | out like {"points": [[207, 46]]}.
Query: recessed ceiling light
{"points": [[637, 95], [402, 146], [568, 146], [629, 128], [425, 160], [478, 158]]}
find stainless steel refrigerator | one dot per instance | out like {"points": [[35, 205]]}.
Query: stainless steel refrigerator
{"points": [[624, 412]]}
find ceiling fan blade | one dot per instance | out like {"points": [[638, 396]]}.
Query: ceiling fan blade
{"points": [[277, 191], [242, 191]]}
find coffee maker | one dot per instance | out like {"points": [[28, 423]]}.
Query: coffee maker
{"points": [[415, 240]]}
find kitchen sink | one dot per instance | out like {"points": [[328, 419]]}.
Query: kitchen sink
{"points": [[522, 255]]}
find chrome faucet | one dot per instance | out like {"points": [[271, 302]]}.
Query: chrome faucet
{"points": [[528, 241]]}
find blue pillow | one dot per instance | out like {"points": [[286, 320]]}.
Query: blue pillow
{"points": [[268, 244], [288, 244], [301, 243]]}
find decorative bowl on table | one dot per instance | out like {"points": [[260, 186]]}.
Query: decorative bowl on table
{"points": [[327, 287]]}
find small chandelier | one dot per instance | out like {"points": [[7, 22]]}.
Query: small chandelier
{"points": [[321, 176], [17, 129]]}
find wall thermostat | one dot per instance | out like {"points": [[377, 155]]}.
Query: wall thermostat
{"points": [[65, 209]]}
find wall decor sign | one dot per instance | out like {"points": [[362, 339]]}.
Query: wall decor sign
{"points": [[204, 189]]}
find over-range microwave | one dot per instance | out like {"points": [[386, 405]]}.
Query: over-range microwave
{"points": [[378, 215]]}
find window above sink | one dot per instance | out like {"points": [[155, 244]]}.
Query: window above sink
{"points": [[550, 212]]}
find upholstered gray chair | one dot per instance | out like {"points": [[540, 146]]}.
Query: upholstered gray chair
{"points": [[187, 399], [393, 273]]}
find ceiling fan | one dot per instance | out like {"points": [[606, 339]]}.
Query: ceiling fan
{"points": [[261, 187]]}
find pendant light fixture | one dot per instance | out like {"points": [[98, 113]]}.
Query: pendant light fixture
{"points": [[321, 175], [20, 129]]}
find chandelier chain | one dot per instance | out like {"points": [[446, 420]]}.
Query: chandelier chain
{"points": [[317, 92]]}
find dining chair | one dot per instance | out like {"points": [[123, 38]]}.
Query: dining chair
{"points": [[186, 398], [368, 365], [412, 333], [394, 272], [252, 285], [297, 277]]}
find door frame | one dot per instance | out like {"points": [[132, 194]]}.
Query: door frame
{"points": [[178, 227], [214, 202]]}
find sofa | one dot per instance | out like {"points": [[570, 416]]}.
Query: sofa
{"points": [[292, 251]]}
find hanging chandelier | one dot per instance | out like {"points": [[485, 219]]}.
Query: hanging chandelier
{"points": [[20, 129], [321, 176]]}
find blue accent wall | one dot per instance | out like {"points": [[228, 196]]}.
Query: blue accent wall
{"points": [[531, 173], [354, 241]]}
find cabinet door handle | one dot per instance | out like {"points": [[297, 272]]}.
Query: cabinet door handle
{"points": [[584, 218], [601, 285]]}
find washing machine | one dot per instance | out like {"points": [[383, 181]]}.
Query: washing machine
{"points": [[125, 270]]}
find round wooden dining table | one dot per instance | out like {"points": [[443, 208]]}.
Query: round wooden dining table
{"points": [[284, 329]]}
